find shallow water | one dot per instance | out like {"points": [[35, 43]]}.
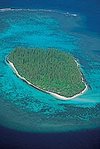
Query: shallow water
{"points": [[24, 108]]}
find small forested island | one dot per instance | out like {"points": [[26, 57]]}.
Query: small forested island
{"points": [[50, 70]]}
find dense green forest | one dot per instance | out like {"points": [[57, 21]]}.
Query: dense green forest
{"points": [[49, 69]]}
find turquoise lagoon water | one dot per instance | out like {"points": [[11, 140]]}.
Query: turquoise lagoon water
{"points": [[25, 108]]}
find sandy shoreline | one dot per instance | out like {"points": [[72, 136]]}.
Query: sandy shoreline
{"points": [[51, 93]]}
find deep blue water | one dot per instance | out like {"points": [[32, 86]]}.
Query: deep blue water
{"points": [[89, 8], [83, 112], [19, 140]]}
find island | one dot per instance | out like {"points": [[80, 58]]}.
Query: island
{"points": [[50, 70]]}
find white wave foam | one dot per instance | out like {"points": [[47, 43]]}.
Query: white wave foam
{"points": [[43, 10], [5, 9]]}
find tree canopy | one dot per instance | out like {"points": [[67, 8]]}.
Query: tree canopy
{"points": [[49, 69]]}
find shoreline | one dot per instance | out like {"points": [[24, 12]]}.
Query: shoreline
{"points": [[57, 96]]}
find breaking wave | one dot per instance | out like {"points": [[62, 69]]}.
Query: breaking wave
{"points": [[43, 10]]}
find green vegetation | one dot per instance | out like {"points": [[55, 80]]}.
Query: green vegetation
{"points": [[49, 69]]}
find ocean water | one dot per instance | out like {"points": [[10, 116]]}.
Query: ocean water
{"points": [[27, 109], [28, 115]]}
